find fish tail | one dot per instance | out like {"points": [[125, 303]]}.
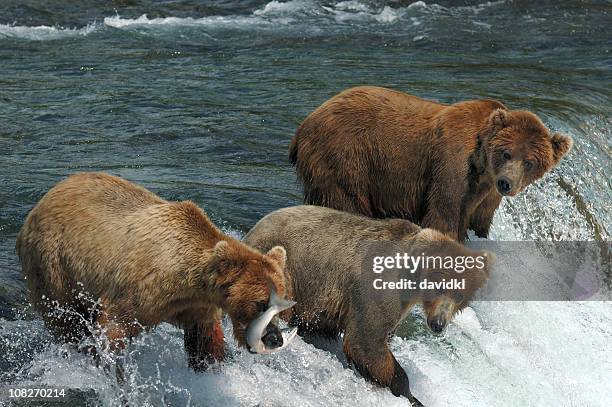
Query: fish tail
{"points": [[281, 303]]}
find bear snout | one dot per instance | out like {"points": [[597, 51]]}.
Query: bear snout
{"points": [[504, 185], [437, 325]]}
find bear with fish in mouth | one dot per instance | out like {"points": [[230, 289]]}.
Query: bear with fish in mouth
{"points": [[98, 251], [383, 153], [335, 288]]}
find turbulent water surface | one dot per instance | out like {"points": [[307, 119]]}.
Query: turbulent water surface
{"points": [[198, 100]]}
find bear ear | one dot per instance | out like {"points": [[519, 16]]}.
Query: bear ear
{"points": [[279, 255], [498, 120], [561, 145], [425, 235]]}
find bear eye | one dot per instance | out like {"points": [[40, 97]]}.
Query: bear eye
{"points": [[507, 156], [528, 165]]}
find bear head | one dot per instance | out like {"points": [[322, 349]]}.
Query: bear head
{"points": [[520, 149], [445, 260], [246, 278]]}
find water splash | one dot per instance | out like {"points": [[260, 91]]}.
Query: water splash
{"points": [[45, 33]]}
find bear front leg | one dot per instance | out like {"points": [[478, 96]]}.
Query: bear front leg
{"points": [[444, 216], [377, 364], [117, 334], [204, 342], [116, 331], [482, 217], [445, 198]]}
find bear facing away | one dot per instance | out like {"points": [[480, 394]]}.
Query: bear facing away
{"points": [[335, 293], [384, 153], [148, 261]]}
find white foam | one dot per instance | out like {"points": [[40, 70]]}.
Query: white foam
{"points": [[502, 354], [434, 8], [515, 354], [417, 4], [145, 22], [291, 7], [355, 11], [388, 15], [351, 5], [43, 32], [271, 15]]}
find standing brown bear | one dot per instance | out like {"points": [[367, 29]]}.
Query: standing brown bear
{"points": [[384, 153], [99, 238]]}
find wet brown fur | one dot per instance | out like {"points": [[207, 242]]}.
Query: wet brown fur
{"points": [[147, 260], [324, 254], [384, 153]]}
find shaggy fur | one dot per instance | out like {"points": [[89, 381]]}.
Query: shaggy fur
{"points": [[147, 260], [325, 250], [383, 153]]}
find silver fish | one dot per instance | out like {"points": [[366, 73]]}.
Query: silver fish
{"points": [[258, 326]]}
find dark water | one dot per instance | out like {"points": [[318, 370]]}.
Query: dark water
{"points": [[199, 100]]}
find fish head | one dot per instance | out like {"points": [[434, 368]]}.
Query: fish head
{"points": [[263, 334], [250, 282]]}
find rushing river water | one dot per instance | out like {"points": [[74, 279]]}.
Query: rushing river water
{"points": [[199, 101]]}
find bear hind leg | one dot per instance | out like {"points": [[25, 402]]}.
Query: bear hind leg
{"points": [[68, 321], [61, 304]]}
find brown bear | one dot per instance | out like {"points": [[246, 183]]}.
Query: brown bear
{"points": [[384, 153], [99, 238], [329, 273]]}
